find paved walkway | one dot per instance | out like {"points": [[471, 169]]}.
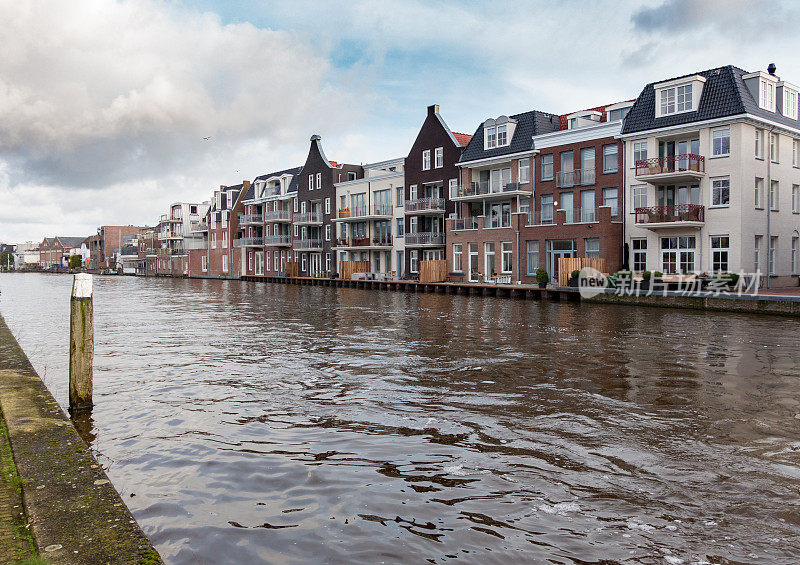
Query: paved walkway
{"points": [[16, 542]]}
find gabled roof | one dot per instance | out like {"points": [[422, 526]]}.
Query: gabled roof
{"points": [[70, 241], [462, 138], [724, 94], [528, 124], [236, 187], [294, 171]]}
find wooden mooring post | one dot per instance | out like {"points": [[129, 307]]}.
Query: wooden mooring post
{"points": [[81, 343]]}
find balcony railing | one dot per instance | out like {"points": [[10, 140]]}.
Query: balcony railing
{"points": [[281, 239], [425, 205], [425, 238], [201, 226], [673, 213], [671, 164], [308, 218], [249, 219], [487, 188], [309, 244], [168, 251], [364, 211], [582, 177], [470, 223], [384, 240], [277, 215], [248, 242]]}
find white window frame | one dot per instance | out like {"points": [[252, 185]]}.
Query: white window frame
{"points": [[458, 258], [438, 162], [713, 191], [327, 232], [506, 257], [759, 141], [774, 148], [414, 261], [774, 196], [311, 181], [426, 160], [772, 255], [616, 158], [527, 168], [453, 188], [794, 253], [319, 181], [225, 263], [721, 138], [638, 192], [550, 165], [720, 250], [795, 199], [328, 206], [204, 263], [639, 152], [758, 193], [294, 204]]}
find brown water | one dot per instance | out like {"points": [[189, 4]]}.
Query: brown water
{"points": [[283, 424]]}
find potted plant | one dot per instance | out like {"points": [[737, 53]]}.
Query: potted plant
{"points": [[645, 284], [542, 277], [573, 277]]}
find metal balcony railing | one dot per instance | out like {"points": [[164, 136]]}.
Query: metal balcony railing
{"points": [[425, 205], [277, 215], [425, 238], [248, 242], [470, 223], [250, 219], [672, 213], [308, 244], [582, 177], [308, 218], [486, 188], [671, 164], [280, 239]]}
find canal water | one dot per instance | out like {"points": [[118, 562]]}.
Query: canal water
{"points": [[250, 423]]}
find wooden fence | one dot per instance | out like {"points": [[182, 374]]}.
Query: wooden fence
{"points": [[566, 266], [291, 268], [347, 268], [433, 271]]}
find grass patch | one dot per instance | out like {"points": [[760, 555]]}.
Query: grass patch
{"points": [[24, 546]]}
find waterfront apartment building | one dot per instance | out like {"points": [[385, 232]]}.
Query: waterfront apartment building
{"points": [[712, 177], [369, 218], [312, 228], [217, 256], [177, 234], [266, 223], [494, 196], [431, 181], [578, 182]]}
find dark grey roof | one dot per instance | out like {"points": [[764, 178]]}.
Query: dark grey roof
{"points": [[724, 94], [294, 171], [71, 241], [528, 124], [228, 189]]}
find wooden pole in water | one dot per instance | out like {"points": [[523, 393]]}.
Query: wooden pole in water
{"points": [[81, 343]]}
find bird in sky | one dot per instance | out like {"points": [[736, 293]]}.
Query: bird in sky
{"points": [[207, 138]]}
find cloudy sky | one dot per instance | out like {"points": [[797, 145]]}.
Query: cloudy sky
{"points": [[104, 105]]}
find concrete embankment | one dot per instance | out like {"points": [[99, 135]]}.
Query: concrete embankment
{"points": [[76, 516]]}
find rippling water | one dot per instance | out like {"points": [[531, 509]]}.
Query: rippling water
{"points": [[248, 423]]}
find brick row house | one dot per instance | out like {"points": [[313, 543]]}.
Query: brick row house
{"points": [[218, 256], [312, 228], [431, 182], [266, 223], [177, 234], [55, 251]]}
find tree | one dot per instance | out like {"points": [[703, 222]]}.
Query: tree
{"points": [[74, 261], [6, 259]]}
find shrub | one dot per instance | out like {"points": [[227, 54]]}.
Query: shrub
{"points": [[575, 274], [658, 274], [541, 275], [74, 261], [646, 275]]}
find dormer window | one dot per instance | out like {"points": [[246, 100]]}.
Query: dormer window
{"points": [[498, 132], [679, 95], [767, 95], [618, 114], [790, 101]]}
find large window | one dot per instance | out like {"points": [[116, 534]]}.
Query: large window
{"points": [[426, 160], [639, 251], [592, 248], [414, 261], [547, 167], [721, 142], [610, 158], [587, 206], [639, 151], [639, 194], [587, 165], [610, 199], [759, 153], [757, 254], [524, 170], [720, 246], [224, 263], [399, 197], [488, 258], [502, 135], [400, 226], [677, 254], [773, 253], [532, 248], [758, 192], [547, 209], [721, 191], [676, 99], [491, 137], [773, 147], [773, 195], [668, 101], [458, 265], [439, 156], [767, 98], [507, 256]]}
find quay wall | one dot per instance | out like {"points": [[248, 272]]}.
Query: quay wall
{"points": [[76, 515]]}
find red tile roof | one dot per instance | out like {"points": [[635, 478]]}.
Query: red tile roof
{"points": [[462, 138], [334, 164]]}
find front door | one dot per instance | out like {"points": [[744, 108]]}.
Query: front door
{"points": [[558, 249]]}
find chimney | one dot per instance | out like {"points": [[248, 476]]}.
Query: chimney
{"points": [[771, 68], [245, 184], [434, 109]]}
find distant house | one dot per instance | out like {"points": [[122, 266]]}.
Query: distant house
{"points": [[55, 251]]}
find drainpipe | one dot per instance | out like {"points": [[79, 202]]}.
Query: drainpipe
{"points": [[769, 193]]}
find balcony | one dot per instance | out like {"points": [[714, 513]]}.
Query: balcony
{"points": [[422, 206], [278, 216], [278, 240], [248, 242], [308, 219], [675, 216], [470, 223], [202, 226], [673, 168], [168, 251], [360, 213], [481, 190], [581, 177], [308, 244], [425, 239], [251, 219], [376, 242]]}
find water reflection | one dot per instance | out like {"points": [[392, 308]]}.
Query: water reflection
{"points": [[271, 423]]}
